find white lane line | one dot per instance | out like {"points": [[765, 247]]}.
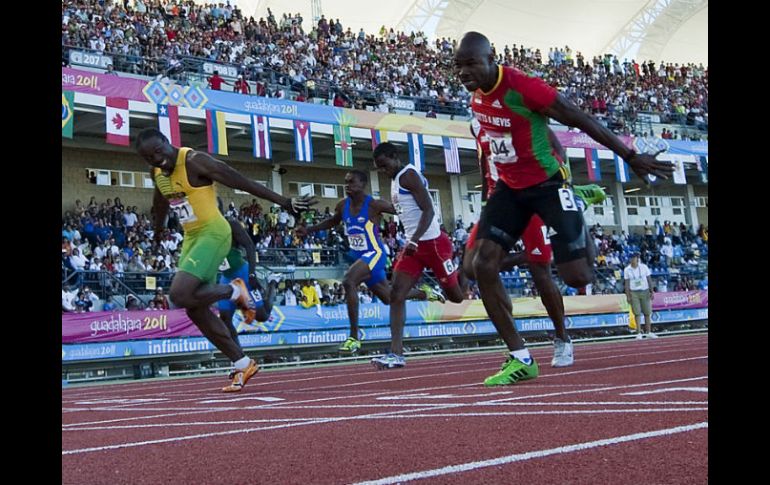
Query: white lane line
{"points": [[236, 431], [192, 423], [477, 359], [258, 398], [603, 369], [122, 401], [153, 416], [497, 404], [336, 419], [668, 389], [296, 404], [531, 455], [600, 389], [408, 416]]}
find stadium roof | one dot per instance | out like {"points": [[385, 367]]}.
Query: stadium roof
{"points": [[661, 30]]}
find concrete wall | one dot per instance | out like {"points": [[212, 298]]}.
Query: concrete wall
{"points": [[75, 185]]}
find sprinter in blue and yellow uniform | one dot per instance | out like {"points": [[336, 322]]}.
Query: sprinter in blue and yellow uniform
{"points": [[361, 214], [184, 183]]}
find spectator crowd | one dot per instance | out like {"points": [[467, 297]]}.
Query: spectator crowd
{"points": [[109, 237], [363, 70]]}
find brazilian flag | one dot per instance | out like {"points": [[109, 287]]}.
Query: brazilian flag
{"points": [[67, 113]]}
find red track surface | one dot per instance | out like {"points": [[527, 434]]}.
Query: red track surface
{"points": [[432, 422]]}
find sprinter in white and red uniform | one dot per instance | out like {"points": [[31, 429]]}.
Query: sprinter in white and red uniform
{"points": [[426, 247]]}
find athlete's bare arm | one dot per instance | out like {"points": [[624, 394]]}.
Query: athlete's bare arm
{"points": [[204, 167], [642, 164], [333, 221]]}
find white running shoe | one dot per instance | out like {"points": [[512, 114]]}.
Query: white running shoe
{"points": [[562, 353]]}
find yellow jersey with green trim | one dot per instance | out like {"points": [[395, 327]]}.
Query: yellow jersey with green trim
{"points": [[196, 207]]}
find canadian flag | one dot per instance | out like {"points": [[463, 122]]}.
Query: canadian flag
{"points": [[117, 121]]}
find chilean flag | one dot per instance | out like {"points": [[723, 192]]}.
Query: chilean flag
{"points": [[302, 141], [168, 123], [260, 132], [117, 121]]}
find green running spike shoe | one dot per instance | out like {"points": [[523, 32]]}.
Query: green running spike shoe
{"points": [[590, 194], [513, 371], [350, 345]]}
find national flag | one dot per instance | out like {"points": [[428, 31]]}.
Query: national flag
{"points": [[592, 163], [451, 155], [343, 145], [117, 121], [260, 135], [216, 132], [67, 113], [703, 168], [303, 142], [168, 123], [416, 151], [622, 172], [378, 136], [679, 176]]}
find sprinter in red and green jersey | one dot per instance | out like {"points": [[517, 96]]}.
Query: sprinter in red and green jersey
{"points": [[513, 109]]}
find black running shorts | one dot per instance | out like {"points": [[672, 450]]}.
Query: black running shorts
{"points": [[508, 211]]}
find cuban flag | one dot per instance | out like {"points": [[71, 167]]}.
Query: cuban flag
{"points": [[260, 133], [592, 163], [416, 151], [451, 155], [117, 121], [622, 172], [168, 123], [303, 142]]}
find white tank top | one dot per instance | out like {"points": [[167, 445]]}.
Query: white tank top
{"points": [[407, 209]]}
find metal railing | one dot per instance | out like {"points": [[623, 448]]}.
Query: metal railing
{"points": [[299, 257], [516, 282], [106, 284]]}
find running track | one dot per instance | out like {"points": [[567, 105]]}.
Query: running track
{"points": [[627, 412]]}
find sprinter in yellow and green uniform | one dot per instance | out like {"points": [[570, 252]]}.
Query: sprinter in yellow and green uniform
{"points": [[184, 183]]}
